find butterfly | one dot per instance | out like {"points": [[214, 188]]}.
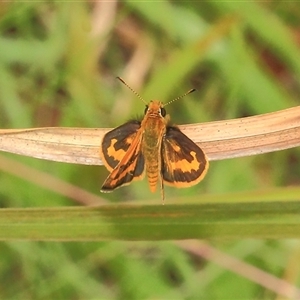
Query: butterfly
{"points": [[152, 147]]}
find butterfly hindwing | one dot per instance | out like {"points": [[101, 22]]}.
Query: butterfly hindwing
{"points": [[183, 162], [124, 173], [122, 151]]}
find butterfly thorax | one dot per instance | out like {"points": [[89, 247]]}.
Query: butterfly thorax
{"points": [[154, 128]]}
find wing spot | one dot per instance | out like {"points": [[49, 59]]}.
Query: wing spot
{"points": [[111, 150]]}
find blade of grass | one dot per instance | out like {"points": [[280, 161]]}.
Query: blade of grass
{"points": [[153, 222]]}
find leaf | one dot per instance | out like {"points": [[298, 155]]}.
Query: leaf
{"points": [[153, 222], [220, 140]]}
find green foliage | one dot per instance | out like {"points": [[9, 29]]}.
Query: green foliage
{"points": [[58, 63]]}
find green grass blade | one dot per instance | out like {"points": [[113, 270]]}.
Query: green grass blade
{"points": [[153, 222]]}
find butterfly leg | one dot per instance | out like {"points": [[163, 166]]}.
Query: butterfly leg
{"points": [[162, 190]]}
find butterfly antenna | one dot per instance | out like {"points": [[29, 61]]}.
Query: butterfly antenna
{"points": [[188, 92], [138, 95]]}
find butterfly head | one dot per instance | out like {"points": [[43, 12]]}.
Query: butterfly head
{"points": [[155, 108]]}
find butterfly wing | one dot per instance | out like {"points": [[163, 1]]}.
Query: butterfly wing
{"points": [[183, 163], [116, 143], [121, 153]]}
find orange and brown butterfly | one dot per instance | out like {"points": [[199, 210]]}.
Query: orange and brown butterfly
{"points": [[151, 146]]}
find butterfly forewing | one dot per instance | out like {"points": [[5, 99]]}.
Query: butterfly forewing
{"points": [[116, 143], [183, 162], [122, 153]]}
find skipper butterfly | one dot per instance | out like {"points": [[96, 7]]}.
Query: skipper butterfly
{"points": [[153, 147]]}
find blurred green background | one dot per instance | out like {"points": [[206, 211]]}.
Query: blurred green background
{"points": [[58, 63]]}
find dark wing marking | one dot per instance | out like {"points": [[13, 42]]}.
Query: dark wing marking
{"points": [[183, 162]]}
